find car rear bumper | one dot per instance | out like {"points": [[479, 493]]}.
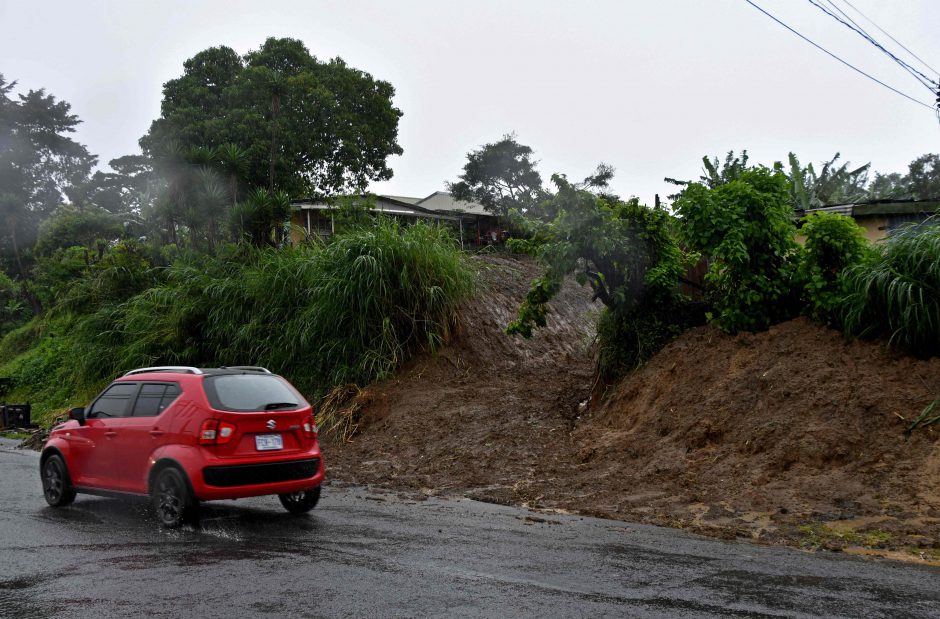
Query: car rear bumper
{"points": [[234, 481]]}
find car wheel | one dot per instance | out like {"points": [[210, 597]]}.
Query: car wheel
{"points": [[172, 499], [300, 502], [56, 485]]}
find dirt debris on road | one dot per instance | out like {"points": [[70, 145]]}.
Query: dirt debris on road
{"points": [[789, 436]]}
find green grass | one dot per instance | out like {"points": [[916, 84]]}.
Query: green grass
{"points": [[322, 315], [817, 535], [897, 292]]}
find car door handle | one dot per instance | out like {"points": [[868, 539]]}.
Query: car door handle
{"points": [[156, 433], [111, 434]]}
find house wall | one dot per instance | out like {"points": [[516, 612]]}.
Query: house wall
{"points": [[875, 227]]}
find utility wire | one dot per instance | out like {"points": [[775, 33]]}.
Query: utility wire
{"points": [[852, 6], [853, 67], [907, 66], [920, 77]]}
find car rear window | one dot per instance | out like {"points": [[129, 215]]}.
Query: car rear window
{"points": [[242, 393]]}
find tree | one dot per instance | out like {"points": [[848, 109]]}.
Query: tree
{"points": [[924, 177], [714, 172], [501, 176], [746, 227], [889, 186], [39, 163], [129, 188], [303, 126], [629, 256], [832, 185]]}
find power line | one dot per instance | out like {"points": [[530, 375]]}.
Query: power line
{"points": [[920, 77], [852, 6], [851, 66]]}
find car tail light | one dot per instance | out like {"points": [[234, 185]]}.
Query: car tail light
{"points": [[215, 432], [226, 432], [310, 427], [209, 432]]}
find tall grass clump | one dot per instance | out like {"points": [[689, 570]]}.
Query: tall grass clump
{"points": [[348, 312], [896, 292]]}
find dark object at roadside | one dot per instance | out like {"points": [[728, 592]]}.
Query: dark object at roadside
{"points": [[5, 384], [182, 435], [15, 415]]}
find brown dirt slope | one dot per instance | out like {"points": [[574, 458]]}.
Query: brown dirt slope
{"points": [[487, 412], [793, 435]]}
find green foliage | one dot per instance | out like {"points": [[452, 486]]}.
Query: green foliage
{"points": [[69, 227], [832, 185], [833, 243], [501, 176], [322, 315], [625, 251], [896, 292], [38, 163], [746, 228], [260, 217], [924, 177], [629, 256], [12, 309], [628, 338], [300, 125]]}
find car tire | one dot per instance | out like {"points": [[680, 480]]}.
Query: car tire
{"points": [[300, 502], [56, 483], [172, 499]]}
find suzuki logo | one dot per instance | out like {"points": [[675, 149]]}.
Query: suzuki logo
{"points": [[270, 424]]}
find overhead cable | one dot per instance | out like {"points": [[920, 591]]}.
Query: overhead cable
{"points": [[852, 6], [920, 77], [851, 66]]}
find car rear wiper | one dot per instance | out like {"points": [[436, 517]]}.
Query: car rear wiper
{"points": [[273, 405]]}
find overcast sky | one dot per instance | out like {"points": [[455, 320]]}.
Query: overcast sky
{"points": [[647, 86]]}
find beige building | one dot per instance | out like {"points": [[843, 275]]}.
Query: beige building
{"points": [[879, 218]]}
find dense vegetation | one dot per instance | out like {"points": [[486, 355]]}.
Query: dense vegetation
{"points": [[323, 315], [741, 221]]}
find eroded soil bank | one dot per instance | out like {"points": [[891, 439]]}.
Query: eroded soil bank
{"points": [[791, 436]]}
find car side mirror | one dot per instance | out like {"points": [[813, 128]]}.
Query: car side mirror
{"points": [[78, 414]]}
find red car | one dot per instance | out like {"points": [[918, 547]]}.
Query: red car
{"points": [[182, 435]]}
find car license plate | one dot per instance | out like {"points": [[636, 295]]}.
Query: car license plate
{"points": [[268, 442]]}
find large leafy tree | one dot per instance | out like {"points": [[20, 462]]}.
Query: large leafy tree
{"points": [[299, 125], [39, 163], [745, 227], [501, 176], [833, 184], [924, 177]]}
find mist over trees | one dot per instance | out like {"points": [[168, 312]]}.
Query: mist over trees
{"points": [[39, 164]]}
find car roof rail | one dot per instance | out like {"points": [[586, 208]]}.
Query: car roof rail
{"points": [[250, 368], [166, 368]]}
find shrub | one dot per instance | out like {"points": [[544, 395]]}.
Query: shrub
{"points": [[833, 243], [896, 291], [626, 340], [746, 227]]}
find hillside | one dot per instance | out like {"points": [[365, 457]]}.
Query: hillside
{"points": [[789, 436]]}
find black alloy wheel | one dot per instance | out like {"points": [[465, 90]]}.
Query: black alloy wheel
{"points": [[300, 502], [56, 486], [172, 499]]}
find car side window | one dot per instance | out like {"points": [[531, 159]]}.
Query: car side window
{"points": [[154, 398], [113, 402]]}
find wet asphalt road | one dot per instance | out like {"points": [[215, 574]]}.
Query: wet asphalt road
{"points": [[369, 554]]}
